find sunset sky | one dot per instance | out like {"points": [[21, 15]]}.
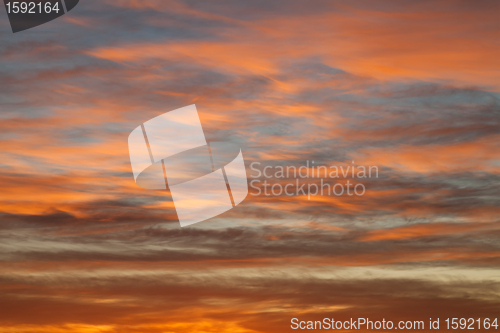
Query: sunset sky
{"points": [[412, 87]]}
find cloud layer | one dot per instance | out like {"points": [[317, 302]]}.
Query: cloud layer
{"points": [[409, 87]]}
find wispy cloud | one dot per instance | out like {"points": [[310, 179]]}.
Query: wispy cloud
{"points": [[409, 87]]}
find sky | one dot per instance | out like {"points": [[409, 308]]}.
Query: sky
{"points": [[409, 87]]}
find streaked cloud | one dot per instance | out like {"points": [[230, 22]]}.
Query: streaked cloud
{"points": [[411, 87]]}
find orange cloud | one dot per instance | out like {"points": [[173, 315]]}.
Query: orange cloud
{"points": [[478, 155], [425, 230], [428, 43]]}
